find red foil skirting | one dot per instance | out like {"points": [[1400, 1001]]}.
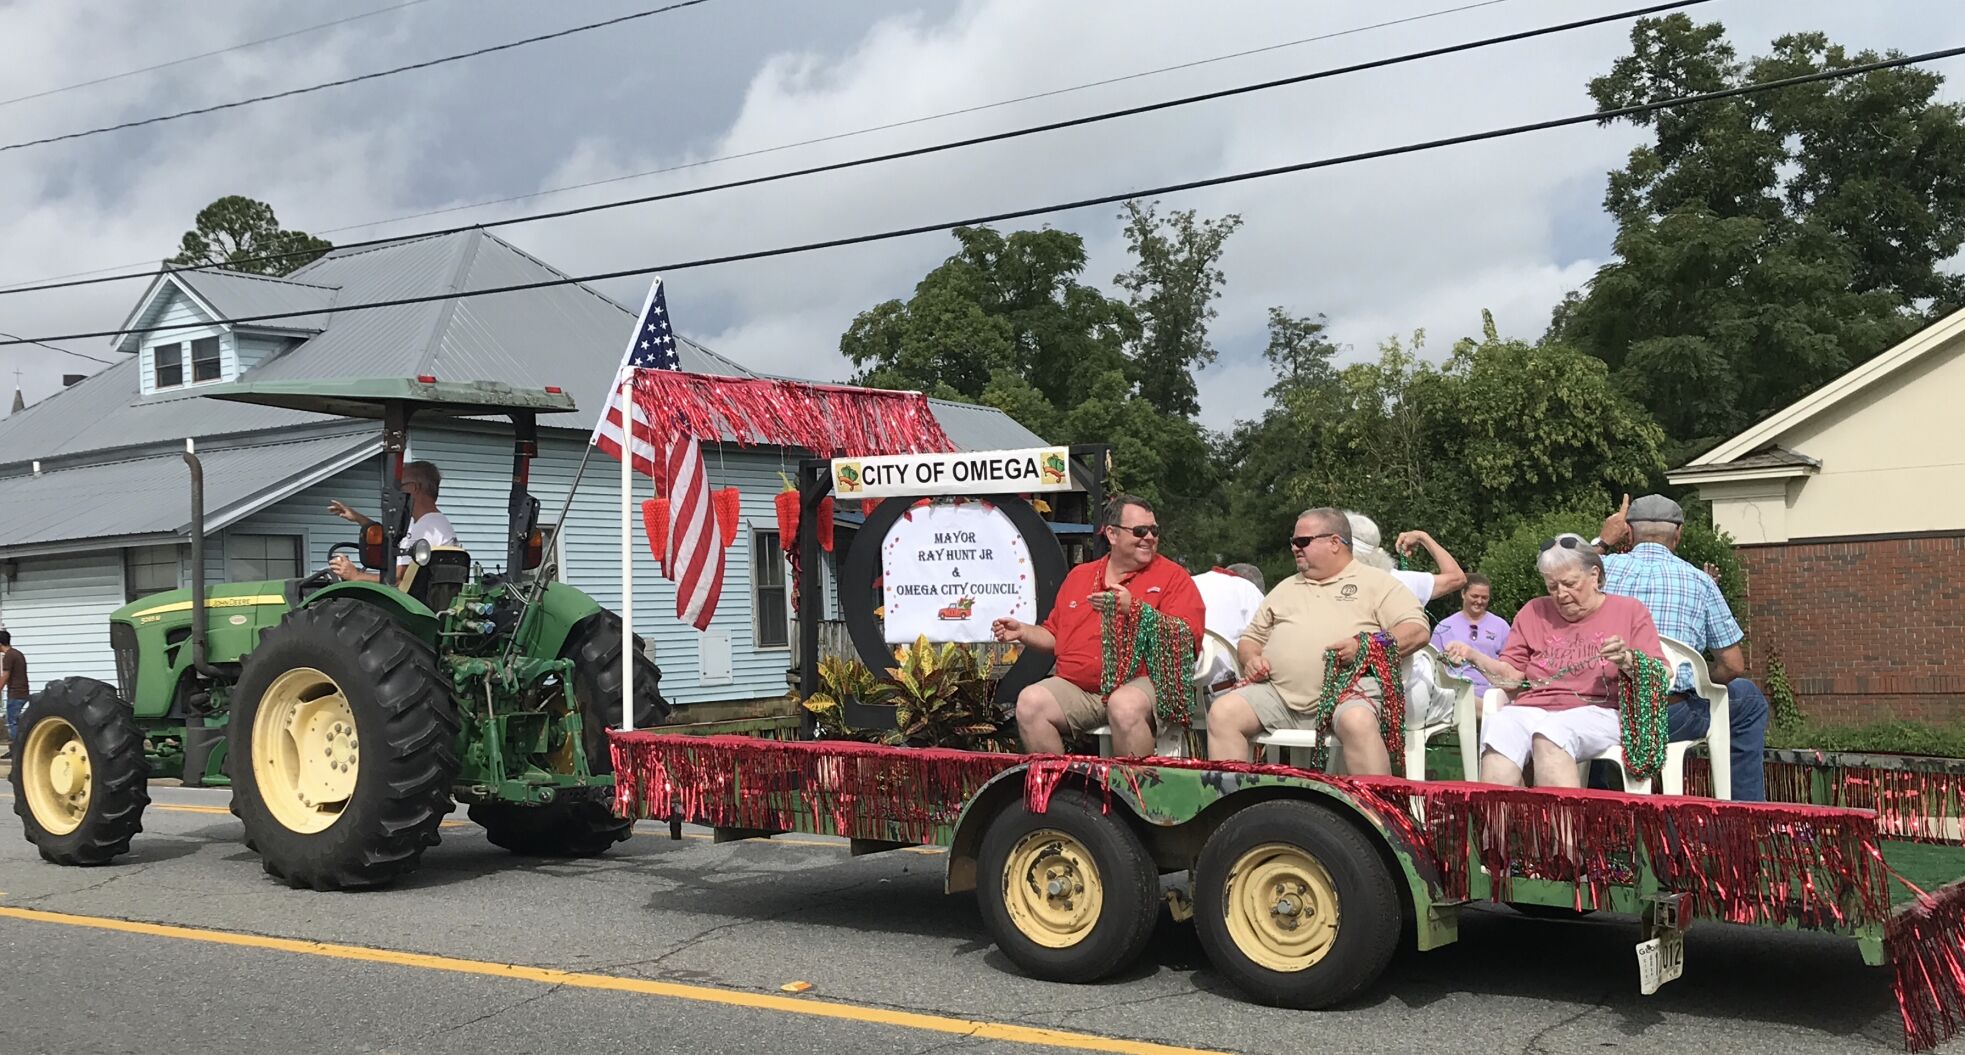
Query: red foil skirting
{"points": [[1927, 946], [1911, 804], [1754, 863], [823, 419]]}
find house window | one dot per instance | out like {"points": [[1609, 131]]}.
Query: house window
{"points": [[252, 558], [204, 359], [770, 605], [151, 569], [170, 365]]}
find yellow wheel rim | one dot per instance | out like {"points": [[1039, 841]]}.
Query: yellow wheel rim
{"points": [[305, 753], [56, 774], [1052, 889], [1282, 907]]}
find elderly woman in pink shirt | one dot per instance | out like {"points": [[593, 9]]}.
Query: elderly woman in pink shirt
{"points": [[1565, 655]]}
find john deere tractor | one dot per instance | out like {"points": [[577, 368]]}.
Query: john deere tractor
{"points": [[349, 716]]}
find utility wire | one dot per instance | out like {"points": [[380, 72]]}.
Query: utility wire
{"points": [[1591, 117], [426, 64], [933, 148], [210, 54], [834, 137], [18, 339]]}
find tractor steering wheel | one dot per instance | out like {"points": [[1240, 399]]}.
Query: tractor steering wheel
{"points": [[326, 576]]}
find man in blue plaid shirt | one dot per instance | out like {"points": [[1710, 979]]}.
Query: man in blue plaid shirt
{"points": [[1687, 606]]}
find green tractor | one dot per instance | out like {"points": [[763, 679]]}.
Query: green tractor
{"points": [[348, 716]]}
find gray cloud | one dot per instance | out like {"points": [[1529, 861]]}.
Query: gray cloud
{"points": [[1382, 248]]}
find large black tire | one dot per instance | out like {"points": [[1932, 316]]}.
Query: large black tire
{"points": [[88, 714], [583, 829], [1054, 936], [400, 707], [1262, 851]]}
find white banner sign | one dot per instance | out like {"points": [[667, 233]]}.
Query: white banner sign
{"points": [[952, 570], [972, 473]]}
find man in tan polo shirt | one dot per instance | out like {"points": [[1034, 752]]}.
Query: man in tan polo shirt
{"points": [[1323, 607]]}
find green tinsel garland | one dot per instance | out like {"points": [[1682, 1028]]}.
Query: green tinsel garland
{"points": [[1377, 655], [1165, 645], [1642, 718]]}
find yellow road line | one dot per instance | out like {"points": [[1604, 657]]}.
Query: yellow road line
{"points": [[617, 983]]}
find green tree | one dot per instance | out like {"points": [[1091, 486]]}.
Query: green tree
{"points": [[1175, 278], [232, 230], [1767, 243]]}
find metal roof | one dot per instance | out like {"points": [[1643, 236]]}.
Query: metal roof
{"points": [[235, 295], [368, 397], [150, 496], [570, 336]]}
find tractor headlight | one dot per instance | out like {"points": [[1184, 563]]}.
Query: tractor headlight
{"points": [[419, 553]]}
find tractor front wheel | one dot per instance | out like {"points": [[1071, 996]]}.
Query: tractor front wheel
{"points": [[80, 779], [343, 747]]}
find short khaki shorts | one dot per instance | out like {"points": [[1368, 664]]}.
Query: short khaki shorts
{"points": [[1084, 711], [1274, 714]]}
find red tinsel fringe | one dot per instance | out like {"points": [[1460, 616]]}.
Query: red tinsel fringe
{"points": [[1912, 805], [823, 419], [1927, 948], [868, 791]]}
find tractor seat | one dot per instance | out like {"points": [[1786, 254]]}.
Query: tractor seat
{"points": [[438, 583]]}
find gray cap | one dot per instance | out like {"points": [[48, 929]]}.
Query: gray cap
{"points": [[1655, 508]]}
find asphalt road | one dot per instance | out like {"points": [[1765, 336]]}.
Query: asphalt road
{"points": [[684, 947]]}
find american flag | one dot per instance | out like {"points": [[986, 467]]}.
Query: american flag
{"points": [[694, 560]]}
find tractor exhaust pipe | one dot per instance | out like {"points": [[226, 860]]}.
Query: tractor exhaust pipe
{"points": [[198, 651]]}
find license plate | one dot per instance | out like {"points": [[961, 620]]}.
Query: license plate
{"points": [[1660, 960]]}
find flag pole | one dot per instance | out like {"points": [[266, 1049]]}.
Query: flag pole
{"points": [[627, 554]]}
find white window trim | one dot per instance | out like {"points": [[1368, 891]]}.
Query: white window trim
{"points": [[757, 626], [184, 337]]}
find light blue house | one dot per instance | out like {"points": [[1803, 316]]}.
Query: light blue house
{"points": [[95, 501]]}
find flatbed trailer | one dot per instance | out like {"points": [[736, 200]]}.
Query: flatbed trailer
{"points": [[1302, 885]]}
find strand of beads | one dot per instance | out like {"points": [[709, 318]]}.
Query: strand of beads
{"points": [[1377, 655], [1141, 636], [1641, 715]]}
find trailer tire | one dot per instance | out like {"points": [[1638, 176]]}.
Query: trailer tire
{"points": [[346, 666], [79, 776], [1110, 902], [1336, 916]]}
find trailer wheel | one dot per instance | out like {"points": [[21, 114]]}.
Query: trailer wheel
{"points": [[323, 810], [1070, 895], [80, 779], [1294, 905]]}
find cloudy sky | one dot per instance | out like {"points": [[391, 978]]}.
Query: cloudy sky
{"points": [[1386, 247]]}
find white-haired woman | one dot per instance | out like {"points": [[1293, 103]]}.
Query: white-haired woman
{"points": [[1565, 656]]}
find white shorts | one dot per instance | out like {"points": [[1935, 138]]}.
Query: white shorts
{"points": [[1583, 733]]}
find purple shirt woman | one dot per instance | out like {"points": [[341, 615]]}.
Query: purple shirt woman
{"points": [[1481, 629]]}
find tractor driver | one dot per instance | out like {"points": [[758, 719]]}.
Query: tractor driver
{"points": [[420, 481]]}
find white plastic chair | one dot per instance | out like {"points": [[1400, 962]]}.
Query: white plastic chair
{"points": [[1718, 738], [1171, 741], [1282, 745]]}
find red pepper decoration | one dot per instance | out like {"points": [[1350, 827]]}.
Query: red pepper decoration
{"points": [[729, 505], [786, 502], [655, 521], [825, 524]]}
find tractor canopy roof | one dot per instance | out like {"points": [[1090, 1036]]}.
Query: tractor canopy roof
{"points": [[371, 397]]}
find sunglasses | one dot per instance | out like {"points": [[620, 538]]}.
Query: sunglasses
{"points": [[1565, 541], [1303, 541], [1140, 530]]}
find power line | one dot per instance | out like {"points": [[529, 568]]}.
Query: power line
{"points": [[209, 54], [1591, 117], [933, 148], [426, 64], [759, 152], [18, 339]]}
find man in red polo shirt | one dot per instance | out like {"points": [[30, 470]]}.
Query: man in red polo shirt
{"points": [[1068, 701]]}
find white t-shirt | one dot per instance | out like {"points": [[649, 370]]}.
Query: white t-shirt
{"points": [[433, 526], [1231, 602], [1419, 582]]}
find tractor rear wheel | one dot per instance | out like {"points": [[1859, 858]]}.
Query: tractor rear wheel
{"points": [[583, 829], [80, 779], [322, 811]]}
